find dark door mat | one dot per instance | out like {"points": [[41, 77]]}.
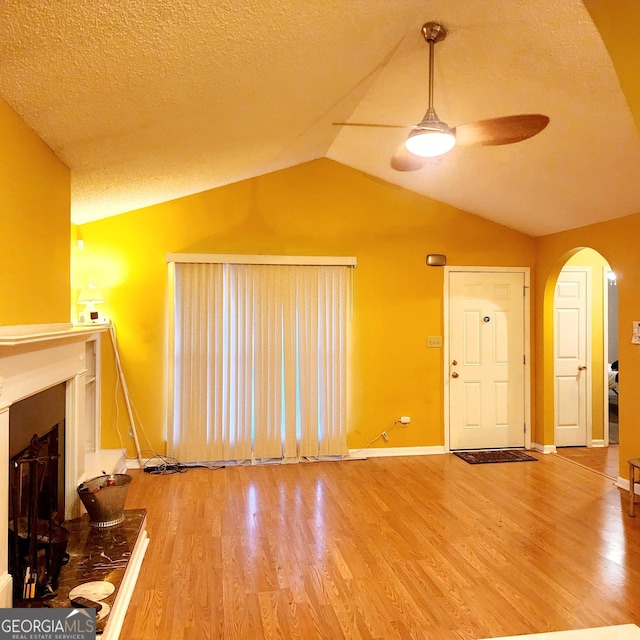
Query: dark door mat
{"points": [[503, 455]]}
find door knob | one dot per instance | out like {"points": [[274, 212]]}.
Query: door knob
{"points": [[454, 374], [582, 367], [454, 362]]}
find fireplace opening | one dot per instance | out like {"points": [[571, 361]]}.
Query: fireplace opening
{"points": [[37, 539]]}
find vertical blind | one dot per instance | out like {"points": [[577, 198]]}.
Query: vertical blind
{"points": [[258, 361]]}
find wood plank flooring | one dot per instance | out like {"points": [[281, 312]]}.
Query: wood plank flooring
{"points": [[386, 548], [603, 460]]}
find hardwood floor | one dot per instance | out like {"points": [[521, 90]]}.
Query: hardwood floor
{"points": [[603, 460], [385, 548]]}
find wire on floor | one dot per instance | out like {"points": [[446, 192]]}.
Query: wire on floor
{"points": [[160, 465]]}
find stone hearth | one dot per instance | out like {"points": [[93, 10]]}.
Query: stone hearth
{"points": [[113, 555]]}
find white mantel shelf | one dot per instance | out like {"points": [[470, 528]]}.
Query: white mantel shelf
{"points": [[12, 336]]}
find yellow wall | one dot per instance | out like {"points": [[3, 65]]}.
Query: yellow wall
{"points": [[34, 214], [618, 22], [616, 241], [320, 208]]}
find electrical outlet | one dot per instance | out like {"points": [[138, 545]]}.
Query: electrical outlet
{"points": [[405, 419], [385, 436]]}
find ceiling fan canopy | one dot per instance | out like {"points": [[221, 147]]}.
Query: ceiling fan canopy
{"points": [[432, 137]]}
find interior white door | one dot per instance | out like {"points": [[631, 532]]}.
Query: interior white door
{"points": [[570, 357], [486, 360]]}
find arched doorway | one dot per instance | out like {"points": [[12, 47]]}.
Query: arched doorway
{"points": [[584, 331]]}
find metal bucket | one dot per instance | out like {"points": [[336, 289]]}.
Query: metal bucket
{"points": [[104, 497]]}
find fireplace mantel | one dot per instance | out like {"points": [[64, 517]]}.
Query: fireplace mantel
{"points": [[34, 358], [10, 336]]}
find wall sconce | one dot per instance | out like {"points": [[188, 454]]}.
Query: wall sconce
{"points": [[90, 297], [436, 260]]}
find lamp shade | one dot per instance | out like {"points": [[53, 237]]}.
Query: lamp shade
{"points": [[429, 143], [431, 137], [90, 295]]}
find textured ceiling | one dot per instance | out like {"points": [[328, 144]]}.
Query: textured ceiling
{"points": [[148, 101]]}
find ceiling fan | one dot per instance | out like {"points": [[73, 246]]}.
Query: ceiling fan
{"points": [[431, 137]]}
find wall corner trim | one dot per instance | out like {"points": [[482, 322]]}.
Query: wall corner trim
{"points": [[543, 448]]}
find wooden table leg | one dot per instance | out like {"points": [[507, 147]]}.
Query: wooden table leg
{"points": [[632, 491]]}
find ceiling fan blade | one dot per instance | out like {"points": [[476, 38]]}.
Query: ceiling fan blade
{"points": [[367, 124], [505, 130], [404, 160]]}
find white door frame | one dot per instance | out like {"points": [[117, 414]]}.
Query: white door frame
{"points": [[606, 270], [525, 271], [588, 353]]}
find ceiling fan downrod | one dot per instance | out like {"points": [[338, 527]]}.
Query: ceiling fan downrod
{"points": [[431, 137], [433, 32]]}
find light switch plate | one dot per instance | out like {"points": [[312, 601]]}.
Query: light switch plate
{"points": [[434, 341]]}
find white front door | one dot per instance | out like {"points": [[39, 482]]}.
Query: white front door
{"points": [[486, 368], [571, 340]]}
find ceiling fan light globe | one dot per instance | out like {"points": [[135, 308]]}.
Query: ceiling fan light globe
{"points": [[429, 143]]}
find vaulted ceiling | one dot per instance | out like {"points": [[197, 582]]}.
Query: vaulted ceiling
{"points": [[148, 101]]}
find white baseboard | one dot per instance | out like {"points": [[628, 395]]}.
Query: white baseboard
{"points": [[380, 452], [623, 483], [543, 448], [134, 463], [354, 454], [551, 448]]}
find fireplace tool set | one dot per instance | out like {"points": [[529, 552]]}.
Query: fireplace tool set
{"points": [[37, 540]]}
